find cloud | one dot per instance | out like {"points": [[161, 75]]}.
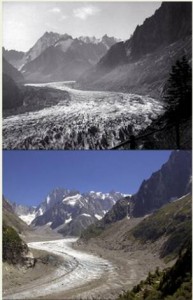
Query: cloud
{"points": [[63, 18], [86, 11], [55, 10]]}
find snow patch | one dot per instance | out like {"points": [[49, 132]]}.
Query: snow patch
{"points": [[64, 45], [98, 217], [40, 212], [48, 199], [28, 218], [86, 215], [49, 223], [72, 200], [68, 220]]}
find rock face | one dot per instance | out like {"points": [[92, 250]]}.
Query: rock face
{"points": [[120, 210], [172, 181], [169, 183], [12, 97], [13, 57], [56, 57], [12, 72], [171, 22], [69, 212], [142, 63]]}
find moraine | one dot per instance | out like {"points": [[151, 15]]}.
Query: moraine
{"points": [[87, 120]]}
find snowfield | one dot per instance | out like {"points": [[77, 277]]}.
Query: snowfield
{"points": [[87, 120], [28, 218], [78, 269]]}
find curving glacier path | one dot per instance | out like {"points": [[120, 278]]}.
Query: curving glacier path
{"points": [[78, 269], [70, 123]]}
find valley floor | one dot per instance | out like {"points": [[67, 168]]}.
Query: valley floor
{"points": [[86, 271]]}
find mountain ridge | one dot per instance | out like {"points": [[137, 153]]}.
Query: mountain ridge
{"points": [[141, 64], [68, 211], [171, 181]]}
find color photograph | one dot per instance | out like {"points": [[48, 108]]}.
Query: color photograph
{"points": [[97, 225]]}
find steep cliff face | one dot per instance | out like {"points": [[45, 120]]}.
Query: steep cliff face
{"points": [[170, 182], [172, 22], [142, 63]]}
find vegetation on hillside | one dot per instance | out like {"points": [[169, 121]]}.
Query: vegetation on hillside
{"points": [[13, 246], [173, 128], [172, 221], [171, 284], [11, 219], [178, 95]]}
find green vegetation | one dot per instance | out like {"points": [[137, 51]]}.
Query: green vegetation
{"points": [[173, 221], [13, 246], [171, 284]]}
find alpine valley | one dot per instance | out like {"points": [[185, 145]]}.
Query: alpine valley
{"points": [[88, 93], [104, 245]]}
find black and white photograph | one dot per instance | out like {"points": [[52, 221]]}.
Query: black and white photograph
{"points": [[97, 75]]}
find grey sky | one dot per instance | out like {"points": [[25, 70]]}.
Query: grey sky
{"points": [[25, 22]]}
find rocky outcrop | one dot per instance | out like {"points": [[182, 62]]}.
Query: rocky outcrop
{"points": [[171, 22], [171, 182], [13, 57], [142, 63], [70, 212], [12, 72], [15, 250], [12, 98]]}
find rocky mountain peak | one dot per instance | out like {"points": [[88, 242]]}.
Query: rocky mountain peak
{"points": [[169, 183]]}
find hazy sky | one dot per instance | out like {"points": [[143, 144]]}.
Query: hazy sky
{"points": [[28, 176], [25, 22]]}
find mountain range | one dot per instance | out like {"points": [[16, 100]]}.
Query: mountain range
{"points": [[68, 211], [56, 57], [142, 63]]}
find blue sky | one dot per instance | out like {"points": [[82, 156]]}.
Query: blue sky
{"points": [[28, 176], [25, 22]]}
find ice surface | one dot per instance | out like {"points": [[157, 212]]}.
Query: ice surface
{"points": [[78, 268], [88, 119]]}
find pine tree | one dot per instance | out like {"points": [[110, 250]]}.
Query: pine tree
{"points": [[178, 95]]}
